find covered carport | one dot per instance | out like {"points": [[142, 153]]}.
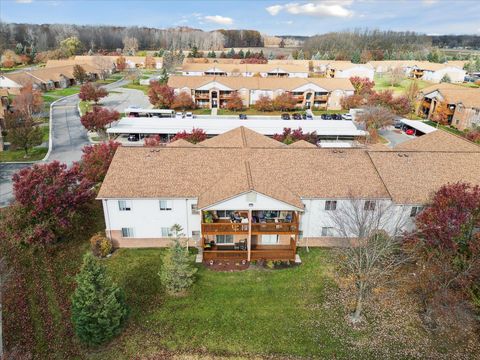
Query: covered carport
{"points": [[419, 127]]}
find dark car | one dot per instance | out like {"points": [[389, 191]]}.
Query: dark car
{"points": [[397, 124], [308, 117], [133, 137], [304, 116], [336, 117], [242, 116], [326, 117], [297, 116], [285, 116]]}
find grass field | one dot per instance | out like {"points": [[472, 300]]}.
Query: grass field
{"points": [[19, 155], [443, 127], [143, 88], [383, 83], [84, 107]]}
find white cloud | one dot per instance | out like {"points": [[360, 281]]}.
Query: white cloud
{"points": [[429, 2], [23, 1], [326, 8], [274, 9], [218, 19]]}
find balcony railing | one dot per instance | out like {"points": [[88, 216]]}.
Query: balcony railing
{"points": [[225, 228], [321, 97]]}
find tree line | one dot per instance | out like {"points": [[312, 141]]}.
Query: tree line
{"points": [[47, 37]]}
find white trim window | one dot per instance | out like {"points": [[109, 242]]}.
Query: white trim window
{"points": [[165, 205], [225, 214], [327, 231], [195, 209], [331, 205], [224, 239], [269, 239], [369, 205], [124, 205], [166, 232], [127, 233], [415, 211]]}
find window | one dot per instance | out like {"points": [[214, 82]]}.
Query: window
{"points": [[327, 231], [224, 213], [196, 235], [369, 205], [224, 239], [270, 239], [194, 209], [124, 205], [127, 232], [165, 205], [330, 205], [166, 232], [415, 210]]}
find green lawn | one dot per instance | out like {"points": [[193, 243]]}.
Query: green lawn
{"points": [[84, 107], [382, 82], [253, 312], [58, 93], [443, 127], [19, 155], [143, 88], [252, 111]]}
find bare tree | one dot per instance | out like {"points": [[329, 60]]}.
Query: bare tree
{"points": [[396, 76], [5, 273], [376, 227], [130, 45]]}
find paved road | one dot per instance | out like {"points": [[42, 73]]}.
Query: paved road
{"points": [[122, 98], [69, 137]]}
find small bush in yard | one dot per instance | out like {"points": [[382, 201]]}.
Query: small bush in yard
{"points": [[177, 273], [101, 245], [98, 306]]}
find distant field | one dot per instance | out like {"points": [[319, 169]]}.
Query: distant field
{"points": [[382, 82]]}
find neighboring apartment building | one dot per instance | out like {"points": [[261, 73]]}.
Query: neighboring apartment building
{"points": [[131, 61], [245, 196], [347, 69], [247, 70], [214, 91], [463, 104], [47, 78], [435, 72]]}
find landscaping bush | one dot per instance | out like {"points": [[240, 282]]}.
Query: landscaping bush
{"points": [[98, 306], [101, 245]]}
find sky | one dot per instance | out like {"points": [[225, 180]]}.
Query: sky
{"points": [[272, 17]]}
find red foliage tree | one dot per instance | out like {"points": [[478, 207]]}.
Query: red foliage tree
{"points": [[381, 98], [47, 198], [473, 135], [363, 86], [401, 105], [284, 102], [92, 92], [152, 141], [29, 101], [448, 222], [98, 119], [352, 101], [290, 136], [196, 136], [264, 103], [183, 101], [96, 159], [161, 96], [235, 103], [121, 63]]}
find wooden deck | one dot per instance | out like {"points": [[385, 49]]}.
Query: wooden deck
{"points": [[258, 252]]}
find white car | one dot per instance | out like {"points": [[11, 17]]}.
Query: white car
{"points": [[347, 116]]}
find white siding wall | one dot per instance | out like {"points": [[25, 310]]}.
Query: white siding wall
{"points": [[146, 218]]}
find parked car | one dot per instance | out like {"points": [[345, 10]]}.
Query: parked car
{"points": [[347, 117], [297, 116], [285, 116], [326, 117], [336, 116], [397, 124], [189, 115], [179, 115], [242, 116], [410, 132], [133, 137]]}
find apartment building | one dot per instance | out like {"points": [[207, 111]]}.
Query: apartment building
{"points": [[246, 70], [215, 91], [347, 69], [463, 104], [246, 196], [132, 62], [435, 72]]}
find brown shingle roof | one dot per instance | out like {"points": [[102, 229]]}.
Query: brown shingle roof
{"points": [[438, 141], [412, 177], [210, 172], [252, 68], [180, 143], [302, 144], [261, 83]]}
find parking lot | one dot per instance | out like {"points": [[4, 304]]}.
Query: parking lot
{"points": [[395, 136]]}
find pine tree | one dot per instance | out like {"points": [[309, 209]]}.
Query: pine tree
{"points": [[300, 55], [177, 273], [231, 53], [271, 56], [163, 76], [98, 306], [356, 57]]}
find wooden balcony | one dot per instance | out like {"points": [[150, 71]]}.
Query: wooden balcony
{"points": [[202, 96], [226, 228], [321, 98], [275, 228]]}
